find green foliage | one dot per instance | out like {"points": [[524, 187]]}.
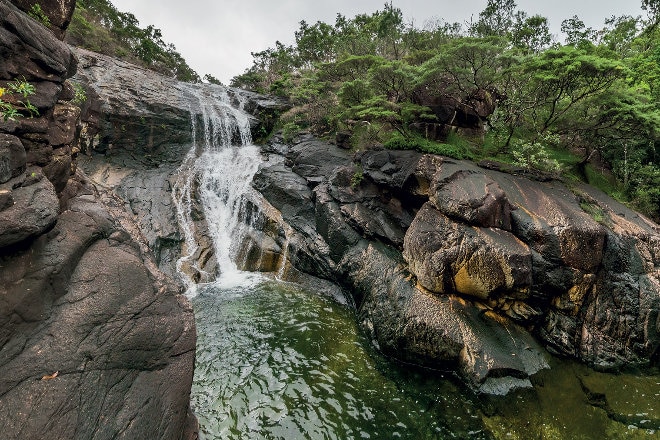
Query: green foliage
{"points": [[595, 211], [547, 106], [357, 177], [212, 79], [98, 26], [38, 14], [13, 107], [534, 155], [455, 147], [80, 95]]}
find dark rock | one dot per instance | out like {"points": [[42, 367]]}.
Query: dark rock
{"points": [[38, 153], [12, 157], [6, 199], [65, 121], [470, 197], [80, 327], [35, 210], [59, 169], [315, 160], [28, 50], [59, 12], [288, 192], [391, 169], [343, 140]]}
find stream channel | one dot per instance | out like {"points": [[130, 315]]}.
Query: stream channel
{"points": [[279, 361]]}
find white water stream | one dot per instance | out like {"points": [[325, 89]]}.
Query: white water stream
{"points": [[219, 168]]}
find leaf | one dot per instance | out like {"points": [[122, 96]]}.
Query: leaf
{"points": [[50, 376]]}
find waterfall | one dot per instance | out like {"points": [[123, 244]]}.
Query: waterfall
{"points": [[213, 179]]}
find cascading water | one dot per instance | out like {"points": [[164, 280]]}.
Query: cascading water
{"points": [[275, 361], [216, 173]]}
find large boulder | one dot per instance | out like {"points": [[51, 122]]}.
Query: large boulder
{"points": [[58, 12], [33, 209], [28, 50]]}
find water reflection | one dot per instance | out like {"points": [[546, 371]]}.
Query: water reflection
{"points": [[277, 362]]}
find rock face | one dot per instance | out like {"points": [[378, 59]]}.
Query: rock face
{"points": [[136, 131], [95, 342], [449, 263], [454, 264]]}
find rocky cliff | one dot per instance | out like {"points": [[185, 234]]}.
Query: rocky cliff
{"points": [[482, 268], [95, 342], [454, 263]]}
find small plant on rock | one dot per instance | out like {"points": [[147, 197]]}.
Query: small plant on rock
{"points": [[80, 95], [10, 111], [38, 14]]}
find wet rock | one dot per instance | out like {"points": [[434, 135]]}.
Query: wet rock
{"points": [[135, 109], [449, 257], [470, 196], [492, 353]]}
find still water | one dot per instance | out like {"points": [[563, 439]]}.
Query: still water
{"points": [[275, 361]]}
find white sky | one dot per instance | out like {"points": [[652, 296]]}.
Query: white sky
{"points": [[217, 37]]}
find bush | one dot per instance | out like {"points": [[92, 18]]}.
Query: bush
{"points": [[455, 150]]}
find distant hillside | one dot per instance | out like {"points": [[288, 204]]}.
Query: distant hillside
{"points": [[97, 25]]}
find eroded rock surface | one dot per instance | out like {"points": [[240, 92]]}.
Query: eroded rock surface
{"points": [[95, 342], [451, 263], [93, 345]]}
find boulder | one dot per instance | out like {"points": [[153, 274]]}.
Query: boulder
{"points": [[449, 257], [59, 12], [470, 196], [34, 210], [493, 354], [28, 49], [13, 158]]}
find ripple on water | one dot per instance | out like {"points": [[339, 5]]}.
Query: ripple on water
{"points": [[279, 363]]}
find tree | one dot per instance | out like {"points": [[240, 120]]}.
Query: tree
{"points": [[577, 34], [212, 79], [531, 33], [496, 19], [561, 78]]}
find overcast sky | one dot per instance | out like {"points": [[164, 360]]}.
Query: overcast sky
{"points": [[217, 37]]}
